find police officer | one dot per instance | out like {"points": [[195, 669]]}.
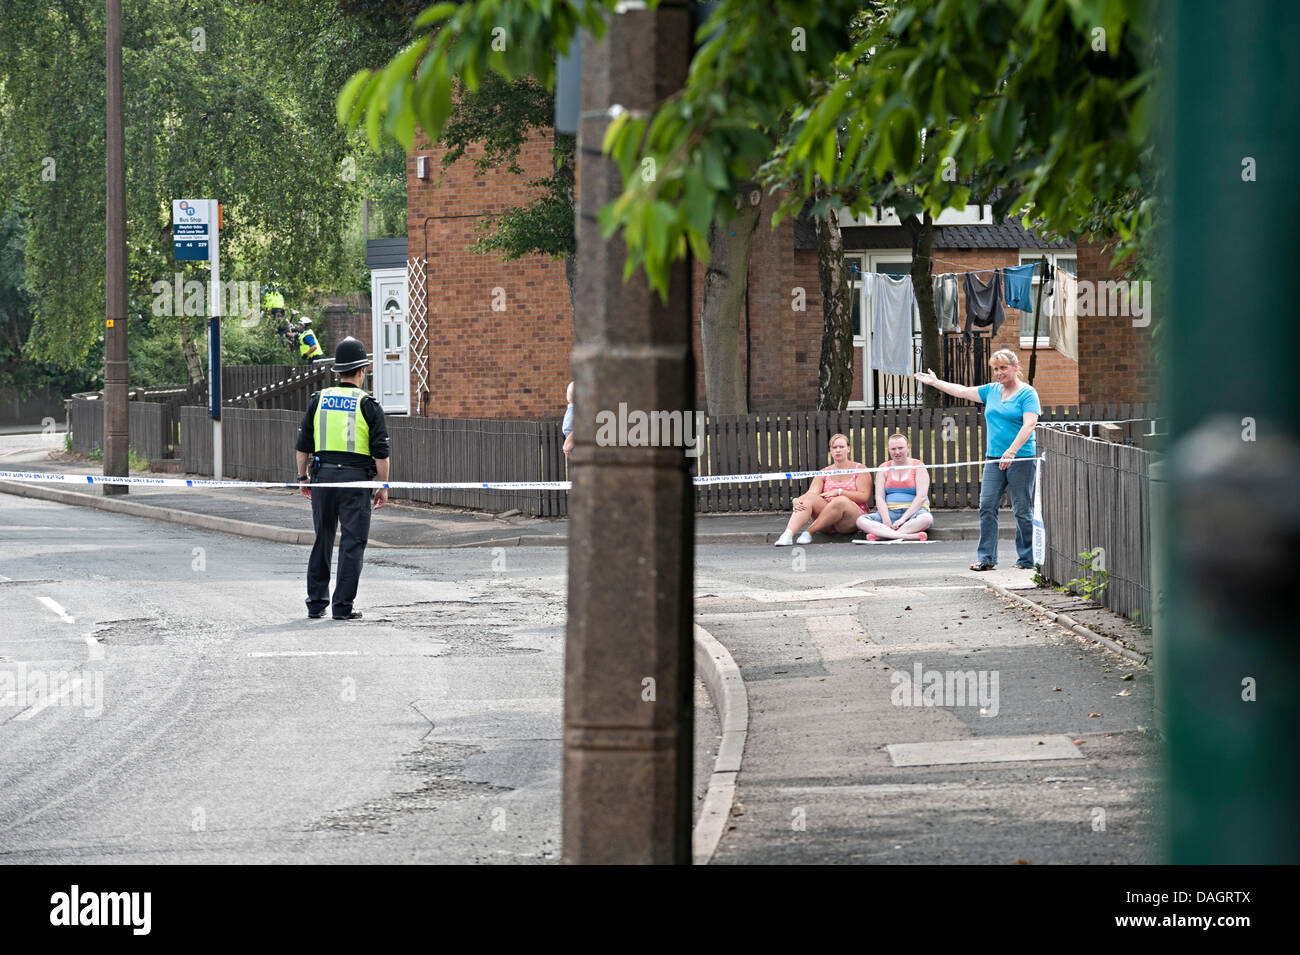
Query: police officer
{"points": [[344, 438], [308, 347]]}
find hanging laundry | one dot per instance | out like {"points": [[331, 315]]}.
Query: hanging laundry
{"points": [[983, 303], [1064, 336], [945, 302], [1020, 286], [892, 302]]}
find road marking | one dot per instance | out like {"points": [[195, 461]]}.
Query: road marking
{"points": [[839, 638], [721, 616], [94, 649], [31, 711], [305, 653], [55, 609], [800, 596], [998, 749], [877, 789]]}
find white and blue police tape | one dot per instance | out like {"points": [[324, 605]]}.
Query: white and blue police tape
{"points": [[705, 479]]}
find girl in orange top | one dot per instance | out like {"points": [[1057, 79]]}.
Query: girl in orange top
{"points": [[834, 502], [902, 497]]}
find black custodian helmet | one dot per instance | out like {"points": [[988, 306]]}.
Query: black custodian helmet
{"points": [[350, 355]]}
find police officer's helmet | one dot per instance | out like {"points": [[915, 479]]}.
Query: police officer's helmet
{"points": [[350, 355], [304, 321]]}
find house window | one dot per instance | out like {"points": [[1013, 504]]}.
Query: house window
{"points": [[1060, 260]]}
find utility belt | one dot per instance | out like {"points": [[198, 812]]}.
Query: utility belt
{"points": [[328, 472]]}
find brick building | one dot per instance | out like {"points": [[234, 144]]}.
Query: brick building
{"points": [[499, 334]]}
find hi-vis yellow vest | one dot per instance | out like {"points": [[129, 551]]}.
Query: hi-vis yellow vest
{"points": [[339, 424], [308, 347]]}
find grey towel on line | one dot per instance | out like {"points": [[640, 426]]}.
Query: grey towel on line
{"points": [[983, 303], [945, 302], [892, 303]]}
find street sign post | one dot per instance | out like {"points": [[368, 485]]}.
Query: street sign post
{"points": [[196, 237], [191, 221]]}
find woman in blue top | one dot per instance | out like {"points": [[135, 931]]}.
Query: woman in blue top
{"points": [[1011, 411]]}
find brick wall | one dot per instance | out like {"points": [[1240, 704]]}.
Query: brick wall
{"points": [[1115, 363], [511, 361], [344, 316]]}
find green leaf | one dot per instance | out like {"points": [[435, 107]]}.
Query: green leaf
{"points": [[715, 174], [1003, 125], [904, 139], [434, 14], [698, 201], [439, 104], [402, 119], [613, 132], [824, 163], [350, 100]]}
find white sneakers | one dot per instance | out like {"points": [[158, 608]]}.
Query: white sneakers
{"points": [[785, 540]]}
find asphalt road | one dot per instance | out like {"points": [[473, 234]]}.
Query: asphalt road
{"points": [[234, 729]]}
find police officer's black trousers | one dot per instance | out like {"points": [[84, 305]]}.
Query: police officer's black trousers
{"points": [[346, 507]]}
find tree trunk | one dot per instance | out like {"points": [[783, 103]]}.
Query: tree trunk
{"points": [[725, 282], [565, 148], [570, 278], [192, 363], [835, 368], [921, 232]]}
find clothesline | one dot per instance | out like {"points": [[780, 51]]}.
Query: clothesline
{"points": [[935, 275], [893, 306]]}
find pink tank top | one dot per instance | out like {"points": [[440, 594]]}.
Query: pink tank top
{"points": [[900, 484], [847, 482]]}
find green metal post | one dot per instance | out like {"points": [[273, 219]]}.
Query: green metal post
{"points": [[1228, 652]]}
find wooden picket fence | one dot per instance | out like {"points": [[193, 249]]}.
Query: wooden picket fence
{"points": [[1096, 494], [258, 446]]}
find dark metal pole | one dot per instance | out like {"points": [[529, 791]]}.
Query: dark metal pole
{"points": [[629, 665], [116, 419], [1038, 311]]}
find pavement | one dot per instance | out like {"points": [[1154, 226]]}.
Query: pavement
{"points": [[856, 704]]}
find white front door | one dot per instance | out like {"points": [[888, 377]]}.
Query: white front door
{"points": [[391, 351]]}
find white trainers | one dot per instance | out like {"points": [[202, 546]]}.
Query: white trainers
{"points": [[804, 538], [785, 540]]}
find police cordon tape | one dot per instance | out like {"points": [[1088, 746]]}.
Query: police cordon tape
{"points": [[60, 478]]}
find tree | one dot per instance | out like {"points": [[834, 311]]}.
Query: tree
{"points": [[226, 102], [725, 287]]}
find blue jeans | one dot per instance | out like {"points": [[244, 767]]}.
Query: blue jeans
{"points": [[1019, 479]]}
